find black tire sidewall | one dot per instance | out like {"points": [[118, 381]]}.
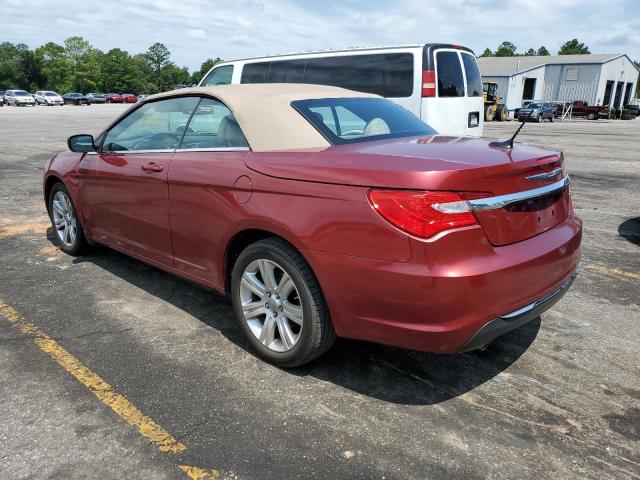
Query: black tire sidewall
{"points": [[77, 247], [301, 350]]}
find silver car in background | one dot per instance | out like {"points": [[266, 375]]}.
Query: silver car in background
{"points": [[96, 97], [47, 97], [19, 98]]}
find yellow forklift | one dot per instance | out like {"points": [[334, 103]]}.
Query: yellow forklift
{"points": [[493, 109]]}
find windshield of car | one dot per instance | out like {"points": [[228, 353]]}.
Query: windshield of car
{"points": [[349, 120], [21, 93], [534, 105], [51, 94]]}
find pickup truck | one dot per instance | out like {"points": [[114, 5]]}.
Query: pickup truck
{"points": [[580, 108]]}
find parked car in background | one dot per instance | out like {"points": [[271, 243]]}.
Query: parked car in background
{"points": [[75, 98], [395, 244], [96, 97], [47, 97], [580, 108], [114, 98], [537, 112], [630, 111], [19, 98], [438, 82], [129, 98]]}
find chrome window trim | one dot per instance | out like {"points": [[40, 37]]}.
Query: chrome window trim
{"points": [[494, 203], [166, 150], [218, 149]]}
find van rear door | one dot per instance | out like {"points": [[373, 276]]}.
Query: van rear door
{"points": [[452, 101]]}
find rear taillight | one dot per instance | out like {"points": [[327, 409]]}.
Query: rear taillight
{"points": [[420, 213], [428, 83]]}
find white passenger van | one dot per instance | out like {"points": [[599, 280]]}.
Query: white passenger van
{"points": [[440, 83]]}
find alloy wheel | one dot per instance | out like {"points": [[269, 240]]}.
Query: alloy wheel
{"points": [[271, 305], [64, 219]]}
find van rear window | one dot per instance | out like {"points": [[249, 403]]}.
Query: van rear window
{"points": [[387, 74], [449, 71], [472, 74]]}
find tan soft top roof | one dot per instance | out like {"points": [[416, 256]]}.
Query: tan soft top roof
{"points": [[265, 114]]}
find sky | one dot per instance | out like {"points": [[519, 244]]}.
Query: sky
{"points": [[194, 30]]}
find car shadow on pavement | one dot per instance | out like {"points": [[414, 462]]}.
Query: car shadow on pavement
{"points": [[389, 374], [630, 229]]}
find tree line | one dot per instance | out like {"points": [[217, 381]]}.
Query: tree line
{"points": [[508, 49], [76, 66]]}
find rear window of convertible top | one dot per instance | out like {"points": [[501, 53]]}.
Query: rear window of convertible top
{"points": [[351, 120]]}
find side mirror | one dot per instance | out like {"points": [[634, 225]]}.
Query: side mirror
{"points": [[81, 143]]}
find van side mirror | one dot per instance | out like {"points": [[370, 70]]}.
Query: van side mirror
{"points": [[81, 143]]}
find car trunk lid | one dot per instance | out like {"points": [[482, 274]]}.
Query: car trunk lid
{"points": [[442, 163]]}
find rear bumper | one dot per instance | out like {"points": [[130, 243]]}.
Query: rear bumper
{"points": [[512, 320], [451, 290]]}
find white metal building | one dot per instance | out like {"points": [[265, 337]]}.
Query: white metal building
{"points": [[598, 79]]}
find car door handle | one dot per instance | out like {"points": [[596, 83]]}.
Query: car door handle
{"points": [[152, 167]]}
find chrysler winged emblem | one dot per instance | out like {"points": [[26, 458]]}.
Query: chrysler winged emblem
{"points": [[541, 177]]}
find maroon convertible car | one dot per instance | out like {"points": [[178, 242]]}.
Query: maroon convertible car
{"points": [[325, 212]]}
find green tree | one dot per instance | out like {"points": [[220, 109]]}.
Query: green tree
{"points": [[84, 64], [11, 65], [487, 53], [56, 69], [531, 52], [573, 47], [204, 68], [543, 51], [119, 72], [637, 64], [506, 49], [158, 57]]}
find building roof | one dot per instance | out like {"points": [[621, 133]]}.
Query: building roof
{"points": [[507, 66], [265, 114]]}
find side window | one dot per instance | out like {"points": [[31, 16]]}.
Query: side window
{"points": [[472, 74], [388, 74], [255, 73], [154, 126], [449, 72], [287, 71], [219, 76], [212, 126]]}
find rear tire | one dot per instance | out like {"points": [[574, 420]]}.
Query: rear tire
{"points": [[591, 116], [310, 333]]}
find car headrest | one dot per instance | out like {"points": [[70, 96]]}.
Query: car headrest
{"points": [[229, 133]]}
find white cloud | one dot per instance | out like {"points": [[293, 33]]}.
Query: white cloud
{"points": [[197, 33], [197, 29]]}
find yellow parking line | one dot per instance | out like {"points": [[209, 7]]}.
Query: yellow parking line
{"points": [[614, 271], [100, 388], [195, 473]]}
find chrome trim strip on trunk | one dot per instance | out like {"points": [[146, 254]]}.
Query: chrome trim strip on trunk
{"points": [[493, 203]]}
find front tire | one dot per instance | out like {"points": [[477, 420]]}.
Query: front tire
{"points": [[64, 219], [279, 305]]}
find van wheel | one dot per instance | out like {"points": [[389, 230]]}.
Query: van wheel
{"points": [[279, 305]]}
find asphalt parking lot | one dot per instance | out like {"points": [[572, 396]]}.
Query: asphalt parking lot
{"points": [[559, 398]]}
